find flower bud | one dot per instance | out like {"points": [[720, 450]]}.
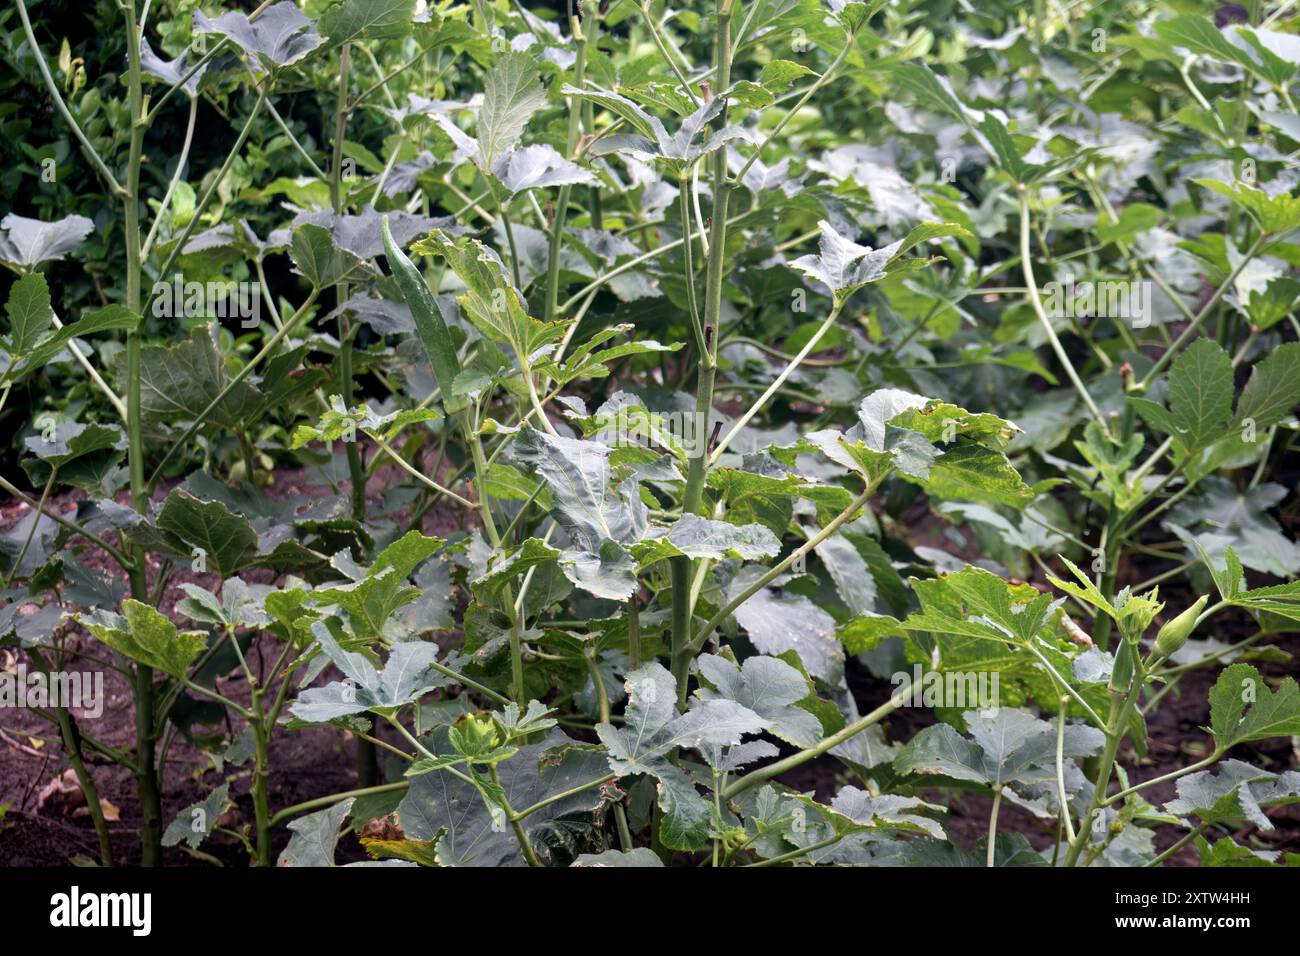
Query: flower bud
{"points": [[1174, 633]]}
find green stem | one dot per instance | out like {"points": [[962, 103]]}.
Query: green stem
{"points": [[1164, 778], [320, 802], [795, 854], [123, 561], [1026, 263], [562, 200], [763, 774], [470, 433], [261, 774], [146, 740], [1116, 726], [1186, 839], [72, 747], [772, 389], [1173, 350], [418, 475], [663, 52], [993, 826], [31, 532], [835, 524], [515, 821], [1061, 795], [697, 469], [557, 797]]}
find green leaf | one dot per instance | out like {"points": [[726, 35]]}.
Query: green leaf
{"points": [[315, 836], [177, 383], [770, 688], [1242, 708], [320, 260], [1273, 214], [638, 856], [476, 833], [777, 75], [977, 603], [1006, 150], [195, 823], [1273, 390], [1276, 53], [608, 572], [652, 729], [147, 637], [778, 621], [506, 565], [338, 423], [491, 301], [698, 537], [382, 588], [30, 314], [1133, 219], [1198, 34], [1231, 579], [578, 475], [1225, 852], [931, 91], [31, 343], [538, 167], [406, 677], [1274, 303], [944, 422], [281, 36], [1009, 746], [83, 454], [354, 19], [512, 93], [1085, 590], [226, 541], [25, 243], [1234, 794], [974, 473], [842, 265], [1200, 393]]}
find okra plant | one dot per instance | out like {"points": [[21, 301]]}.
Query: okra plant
{"points": [[673, 394]]}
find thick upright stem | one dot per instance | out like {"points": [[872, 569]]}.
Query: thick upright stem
{"points": [[1116, 724], [145, 732], [494, 538], [562, 201], [261, 799], [72, 747], [1027, 265], [355, 470], [699, 462]]}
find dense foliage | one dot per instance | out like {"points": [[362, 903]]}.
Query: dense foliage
{"points": [[661, 381]]}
